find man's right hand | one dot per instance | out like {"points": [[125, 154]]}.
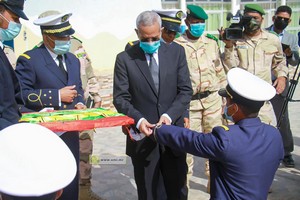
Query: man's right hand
{"points": [[146, 128], [67, 94]]}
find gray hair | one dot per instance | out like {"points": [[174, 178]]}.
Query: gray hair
{"points": [[147, 18]]}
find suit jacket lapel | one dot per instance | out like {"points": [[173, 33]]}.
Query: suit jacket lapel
{"points": [[52, 66], [142, 64]]}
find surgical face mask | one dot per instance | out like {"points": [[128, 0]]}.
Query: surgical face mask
{"points": [[150, 47], [11, 32], [227, 116], [182, 29], [61, 46], [280, 23], [252, 26], [197, 29]]}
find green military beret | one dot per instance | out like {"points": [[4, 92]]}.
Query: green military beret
{"points": [[196, 12], [254, 8]]}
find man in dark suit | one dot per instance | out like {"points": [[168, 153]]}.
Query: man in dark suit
{"points": [[289, 42], [50, 77], [152, 85], [10, 27]]}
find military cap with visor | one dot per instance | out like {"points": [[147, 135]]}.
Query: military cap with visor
{"points": [[171, 18], [56, 23], [196, 12], [254, 8], [247, 89], [15, 6]]}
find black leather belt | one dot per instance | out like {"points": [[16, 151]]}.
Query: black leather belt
{"points": [[201, 95]]}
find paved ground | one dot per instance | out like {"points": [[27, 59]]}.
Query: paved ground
{"points": [[116, 181]]}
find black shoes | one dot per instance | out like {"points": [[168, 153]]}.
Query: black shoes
{"points": [[288, 161]]}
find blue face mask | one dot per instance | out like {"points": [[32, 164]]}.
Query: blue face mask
{"points": [[61, 47], [150, 47], [11, 32], [197, 29], [227, 116]]}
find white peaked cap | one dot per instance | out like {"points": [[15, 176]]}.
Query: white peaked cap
{"points": [[249, 86], [247, 89], [34, 161]]}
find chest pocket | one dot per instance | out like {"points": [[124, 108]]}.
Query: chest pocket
{"points": [[244, 55]]}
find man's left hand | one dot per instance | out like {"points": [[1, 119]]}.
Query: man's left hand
{"points": [[97, 104], [164, 120]]}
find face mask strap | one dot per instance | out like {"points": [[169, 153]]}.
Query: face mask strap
{"points": [[4, 18], [236, 109]]}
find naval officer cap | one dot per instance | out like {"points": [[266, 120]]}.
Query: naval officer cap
{"points": [[56, 23], [171, 18], [15, 6], [196, 12], [34, 161], [247, 89], [254, 8]]}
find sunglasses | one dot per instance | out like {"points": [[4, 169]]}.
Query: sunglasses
{"points": [[282, 18]]}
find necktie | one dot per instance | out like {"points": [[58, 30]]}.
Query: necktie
{"points": [[154, 71], [61, 65]]}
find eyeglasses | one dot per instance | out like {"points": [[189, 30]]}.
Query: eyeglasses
{"points": [[282, 18]]}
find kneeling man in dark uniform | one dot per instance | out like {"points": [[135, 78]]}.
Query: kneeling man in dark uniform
{"points": [[233, 150]]}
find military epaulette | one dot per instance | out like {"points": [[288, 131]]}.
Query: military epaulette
{"points": [[210, 36], [131, 43], [226, 128], [73, 37], [25, 55], [273, 32]]}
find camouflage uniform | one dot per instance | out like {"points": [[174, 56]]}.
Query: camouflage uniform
{"points": [[91, 89], [208, 76], [259, 55]]}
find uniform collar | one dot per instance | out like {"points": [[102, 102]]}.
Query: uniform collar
{"points": [[53, 55]]}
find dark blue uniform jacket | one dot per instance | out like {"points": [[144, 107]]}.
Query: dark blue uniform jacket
{"points": [[243, 157]]}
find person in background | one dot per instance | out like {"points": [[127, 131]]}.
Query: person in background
{"points": [[171, 23], [10, 27], [258, 52], [289, 41], [233, 150], [92, 99], [30, 168], [152, 85], [207, 75], [50, 77]]}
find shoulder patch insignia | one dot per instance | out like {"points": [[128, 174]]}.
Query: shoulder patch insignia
{"points": [[210, 36], [225, 127], [25, 55]]}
